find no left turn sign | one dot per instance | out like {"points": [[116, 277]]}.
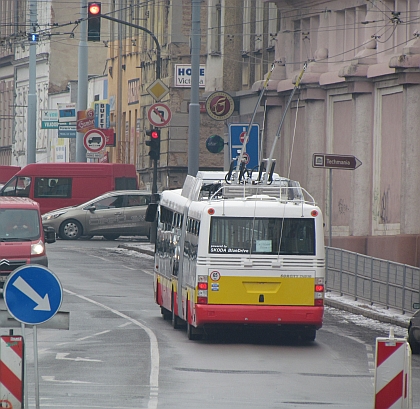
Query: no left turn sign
{"points": [[159, 115], [94, 140]]}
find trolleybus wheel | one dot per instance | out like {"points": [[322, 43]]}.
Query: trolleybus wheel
{"points": [[176, 321], [193, 333], [308, 335], [165, 313]]}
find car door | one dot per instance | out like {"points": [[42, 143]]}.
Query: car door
{"points": [[135, 212], [105, 216]]}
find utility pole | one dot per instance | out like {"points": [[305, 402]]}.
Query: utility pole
{"points": [[194, 107], [32, 105], [82, 83]]}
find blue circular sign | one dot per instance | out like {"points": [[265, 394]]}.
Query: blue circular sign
{"points": [[32, 294]]}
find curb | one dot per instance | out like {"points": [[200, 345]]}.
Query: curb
{"points": [[365, 312], [138, 249]]}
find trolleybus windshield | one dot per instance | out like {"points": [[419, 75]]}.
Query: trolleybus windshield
{"points": [[270, 236]]}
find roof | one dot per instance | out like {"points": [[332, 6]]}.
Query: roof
{"points": [[18, 202]]}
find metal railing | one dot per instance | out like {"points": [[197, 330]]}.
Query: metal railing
{"points": [[377, 281]]}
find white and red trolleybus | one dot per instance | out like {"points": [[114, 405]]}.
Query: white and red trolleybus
{"points": [[245, 254]]}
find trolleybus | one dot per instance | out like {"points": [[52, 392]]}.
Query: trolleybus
{"points": [[248, 254]]}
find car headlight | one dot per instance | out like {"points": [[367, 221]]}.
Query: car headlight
{"points": [[51, 216], [38, 248]]}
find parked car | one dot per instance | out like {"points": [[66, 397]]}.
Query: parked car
{"points": [[414, 330], [113, 214]]}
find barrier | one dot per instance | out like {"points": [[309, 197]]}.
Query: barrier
{"points": [[11, 371], [392, 373]]}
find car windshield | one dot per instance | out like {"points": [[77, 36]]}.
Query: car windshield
{"points": [[19, 224]]}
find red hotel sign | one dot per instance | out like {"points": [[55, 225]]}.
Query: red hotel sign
{"points": [[331, 161]]}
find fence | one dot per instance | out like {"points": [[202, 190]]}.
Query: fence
{"points": [[392, 285]]}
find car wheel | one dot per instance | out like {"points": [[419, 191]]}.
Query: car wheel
{"points": [[414, 345], [70, 230], [111, 236]]}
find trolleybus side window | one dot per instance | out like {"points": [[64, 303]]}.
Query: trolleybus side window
{"points": [[262, 235]]}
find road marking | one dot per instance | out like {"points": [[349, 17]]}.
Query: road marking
{"points": [[63, 355], [93, 335], [154, 349], [52, 379]]}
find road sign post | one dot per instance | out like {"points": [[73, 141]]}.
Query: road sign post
{"points": [[333, 161], [33, 295]]}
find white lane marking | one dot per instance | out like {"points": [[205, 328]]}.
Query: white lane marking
{"points": [[93, 335], [63, 355], [52, 379], [154, 349]]}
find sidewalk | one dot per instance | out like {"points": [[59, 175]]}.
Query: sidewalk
{"points": [[334, 300]]}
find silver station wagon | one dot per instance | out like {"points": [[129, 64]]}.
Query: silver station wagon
{"points": [[111, 215]]}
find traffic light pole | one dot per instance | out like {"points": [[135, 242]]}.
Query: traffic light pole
{"points": [[158, 67], [158, 58]]}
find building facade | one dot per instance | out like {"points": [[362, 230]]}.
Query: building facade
{"points": [[58, 27], [359, 96]]}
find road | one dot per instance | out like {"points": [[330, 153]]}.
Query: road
{"points": [[120, 353]]}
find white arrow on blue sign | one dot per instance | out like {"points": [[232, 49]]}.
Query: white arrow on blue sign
{"points": [[32, 294]]}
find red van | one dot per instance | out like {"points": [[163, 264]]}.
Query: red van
{"points": [[22, 237], [6, 172], [57, 185]]}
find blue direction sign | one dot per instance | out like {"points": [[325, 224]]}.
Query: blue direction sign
{"points": [[32, 294], [237, 133]]}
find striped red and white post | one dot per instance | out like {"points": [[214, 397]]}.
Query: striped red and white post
{"points": [[11, 371], [392, 373]]}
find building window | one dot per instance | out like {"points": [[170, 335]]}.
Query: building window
{"points": [[215, 28]]}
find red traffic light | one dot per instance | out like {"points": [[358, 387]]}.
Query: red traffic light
{"points": [[154, 134], [94, 8]]}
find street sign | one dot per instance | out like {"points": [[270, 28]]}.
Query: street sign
{"points": [[331, 161], [49, 118], [158, 89], [32, 294], [159, 115], [94, 140], [237, 134]]}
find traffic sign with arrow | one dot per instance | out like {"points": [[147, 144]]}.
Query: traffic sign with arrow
{"points": [[32, 294]]}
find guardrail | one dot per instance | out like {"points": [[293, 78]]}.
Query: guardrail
{"points": [[382, 282]]}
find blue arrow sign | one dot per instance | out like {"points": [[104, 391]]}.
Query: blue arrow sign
{"points": [[32, 294]]}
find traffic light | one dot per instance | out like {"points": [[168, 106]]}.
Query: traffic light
{"points": [[154, 143], [94, 21]]}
